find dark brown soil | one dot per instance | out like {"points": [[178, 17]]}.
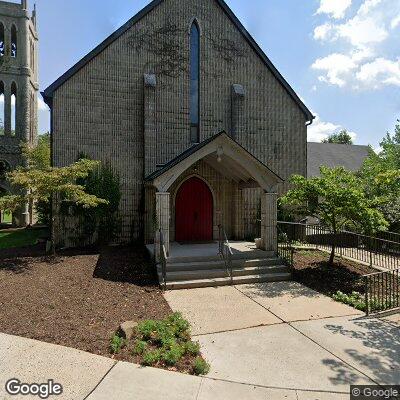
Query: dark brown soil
{"points": [[78, 298], [313, 270]]}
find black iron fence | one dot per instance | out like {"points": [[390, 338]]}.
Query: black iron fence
{"points": [[391, 236], [285, 248], [369, 250], [382, 291]]}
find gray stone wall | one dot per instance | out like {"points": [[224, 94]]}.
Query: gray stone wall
{"points": [[20, 72], [100, 109]]}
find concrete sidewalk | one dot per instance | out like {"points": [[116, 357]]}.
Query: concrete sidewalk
{"points": [[285, 335], [87, 376], [264, 341]]}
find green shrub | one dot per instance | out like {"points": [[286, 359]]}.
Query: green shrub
{"points": [[140, 347], [174, 354], [151, 357], [180, 327], [355, 299], [147, 329], [192, 348], [200, 366], [168, 341], [116, 344], [102, 223]]}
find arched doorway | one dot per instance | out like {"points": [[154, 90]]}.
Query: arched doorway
{"points": [[194, 212], [5, 216]]}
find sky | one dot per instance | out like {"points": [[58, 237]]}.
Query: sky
{"points": [[342, 57]]}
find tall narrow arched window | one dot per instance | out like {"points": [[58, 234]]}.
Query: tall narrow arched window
{"points": [[32, 118], [2, 108], [13, 108], [14, 41], [2, 37], [195, 83]]}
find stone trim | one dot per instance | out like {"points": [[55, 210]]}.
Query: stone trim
{"points": [[269, 215]]}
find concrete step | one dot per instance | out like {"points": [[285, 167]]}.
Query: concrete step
{"points": [[238, 280], [208, 265], [248, 255], [222, 272]]}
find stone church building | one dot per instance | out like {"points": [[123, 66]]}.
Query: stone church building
{"points": [[18, 91], [201, 127]]}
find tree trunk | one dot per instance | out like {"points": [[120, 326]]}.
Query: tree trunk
{"points": [[332, 256], [53, 225]]}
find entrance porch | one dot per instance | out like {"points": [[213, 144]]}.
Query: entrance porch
{"points": [[218, 194]]}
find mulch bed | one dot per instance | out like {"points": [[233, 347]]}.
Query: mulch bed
{"points": [[313, 270], [78, 298]]}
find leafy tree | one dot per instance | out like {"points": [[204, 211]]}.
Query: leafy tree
{"points": [[342, 137], [52, 184], [39, 157], [380, 174], [337, 199]]}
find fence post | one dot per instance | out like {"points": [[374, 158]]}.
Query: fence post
{"points": [[366, 294], [370, 258]]}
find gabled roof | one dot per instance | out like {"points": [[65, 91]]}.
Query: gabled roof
{"points": [[333, 155], [191, 150], [48, 92]]}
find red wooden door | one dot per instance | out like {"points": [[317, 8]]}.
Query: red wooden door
{"points": [[194, 212]]}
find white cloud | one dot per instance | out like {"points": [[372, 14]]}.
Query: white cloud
{"points": [[322, 32], [336, 66], [362, 31], [334, 8], [395, 22], [42, 106], [380, 72], [361, 61], [320, 130]]}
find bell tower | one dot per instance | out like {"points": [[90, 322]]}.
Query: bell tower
{"points": [[18, 89]]}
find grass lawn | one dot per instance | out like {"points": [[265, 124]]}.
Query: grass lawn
{"points": [[7, 218], [11, 238]]}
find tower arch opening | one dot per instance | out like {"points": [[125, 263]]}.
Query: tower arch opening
{"points": [[2, 108], [2, 40], [14, 41], [14, 114]]}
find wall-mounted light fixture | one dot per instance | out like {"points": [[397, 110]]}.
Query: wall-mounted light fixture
{"points": [[220, 152]]}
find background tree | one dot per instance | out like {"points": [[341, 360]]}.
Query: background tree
{"points": [[342, 137], [337, 199], [380, 173], [52, 184]]}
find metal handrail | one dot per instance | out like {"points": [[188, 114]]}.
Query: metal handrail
{"points": [[163, 261], [225, 251]]}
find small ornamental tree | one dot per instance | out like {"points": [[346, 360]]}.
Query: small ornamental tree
{"points": [[337, 199], [52, 184], [39, 157]]}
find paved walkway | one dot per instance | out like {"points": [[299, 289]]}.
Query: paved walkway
{"points": [[285, 336], [264, 341]]}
